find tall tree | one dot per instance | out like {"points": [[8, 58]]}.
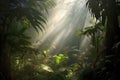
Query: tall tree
{"points": [[107, 11]]}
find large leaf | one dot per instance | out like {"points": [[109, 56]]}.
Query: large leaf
{"points": [[60, 58], [32, 10]]}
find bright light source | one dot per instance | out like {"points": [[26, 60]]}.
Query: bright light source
{"points": [[65, 18]]}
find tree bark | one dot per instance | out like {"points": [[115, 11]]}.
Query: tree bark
{"points": [[112, 28], [112, 38], [5, 67], [5, 72]]}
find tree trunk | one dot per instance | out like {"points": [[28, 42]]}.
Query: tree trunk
{"points": [[5, 73], [112, 38], [112, 28]]}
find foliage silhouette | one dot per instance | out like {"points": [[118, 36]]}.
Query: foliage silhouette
{"points": [[107, 12], [15, 17]]}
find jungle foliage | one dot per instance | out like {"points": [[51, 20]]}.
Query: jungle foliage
{"points": [[107, 12], [16, 16], [20, 61]]}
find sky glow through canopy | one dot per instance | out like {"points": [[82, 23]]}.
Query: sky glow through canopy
{"points": [[63, 21]]}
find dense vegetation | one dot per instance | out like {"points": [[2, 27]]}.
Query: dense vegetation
{"points": [[20, 61], [107, 11], [15, 17]]}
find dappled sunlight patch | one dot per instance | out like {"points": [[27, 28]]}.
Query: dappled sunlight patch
{"points": [[46, 68]]}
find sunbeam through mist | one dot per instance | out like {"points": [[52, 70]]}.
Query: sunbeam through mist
{"points": [[64, 19]]}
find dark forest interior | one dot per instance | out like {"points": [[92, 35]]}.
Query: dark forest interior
{"points": [[59, 39]]}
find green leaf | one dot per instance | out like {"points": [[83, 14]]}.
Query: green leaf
{"points": [[60, 58]]}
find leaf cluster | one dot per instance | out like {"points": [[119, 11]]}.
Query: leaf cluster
{"points": [[91, 30]]}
